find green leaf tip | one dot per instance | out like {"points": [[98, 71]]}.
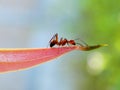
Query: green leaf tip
{"points": [[102, 45]]}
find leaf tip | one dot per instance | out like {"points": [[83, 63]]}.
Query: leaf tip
{"points": [[102, 45]]}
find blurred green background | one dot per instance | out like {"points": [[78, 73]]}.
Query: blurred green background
{"points": [[32, 23]]}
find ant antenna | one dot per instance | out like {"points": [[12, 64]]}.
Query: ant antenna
{"points": [[53, 37]]}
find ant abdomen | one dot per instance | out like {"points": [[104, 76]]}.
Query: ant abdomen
{"points": [[72, 42]]}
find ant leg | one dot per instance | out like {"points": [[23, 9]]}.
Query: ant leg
{"points": [[66, 42], [82, 42], [61, 41]]}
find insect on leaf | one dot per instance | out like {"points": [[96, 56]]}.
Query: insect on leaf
{"points": [[19, 59]]}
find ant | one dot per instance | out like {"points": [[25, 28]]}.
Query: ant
{"points": [[54, 41]]}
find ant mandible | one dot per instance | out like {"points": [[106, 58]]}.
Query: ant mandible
{"points": [[54, 41]]}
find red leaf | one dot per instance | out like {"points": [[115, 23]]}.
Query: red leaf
{"points": [[17, 59]]}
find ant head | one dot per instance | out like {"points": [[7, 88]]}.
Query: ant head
{"points": [[52, 43], [72, 42]]}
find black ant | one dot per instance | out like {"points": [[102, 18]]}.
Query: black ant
{"points": [[54, 41]]}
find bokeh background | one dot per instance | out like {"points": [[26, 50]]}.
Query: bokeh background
{"points": [[31, 23]]}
